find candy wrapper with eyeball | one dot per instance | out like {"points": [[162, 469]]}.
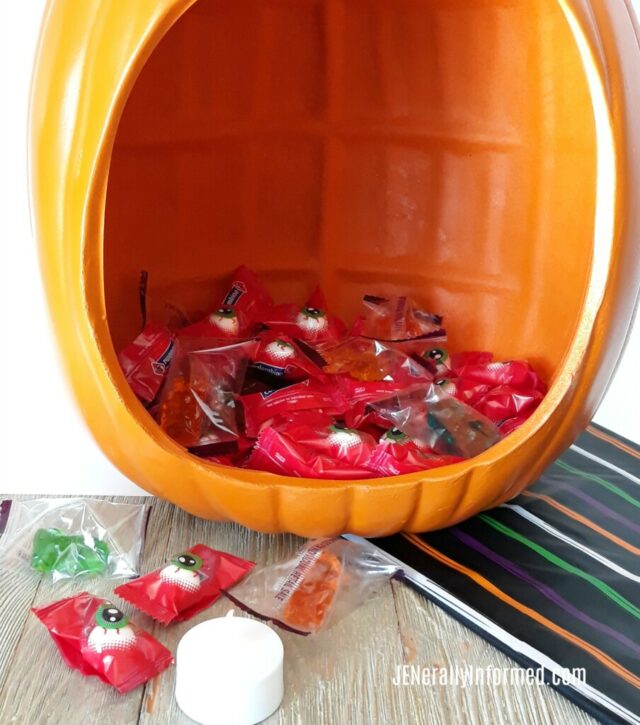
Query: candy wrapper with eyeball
{"points": [[96, 638], [439, 422], [238, 313], [331, 438], [186, 585], [275, 452], [312, 323], [326, 581], [279, 356], [198, 402], [73, 537]]}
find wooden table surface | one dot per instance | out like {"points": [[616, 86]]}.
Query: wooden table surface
{"points": [[342, 676]]}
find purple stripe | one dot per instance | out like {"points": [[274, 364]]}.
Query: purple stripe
{"points": [[597, 505], [545, 590], [5, 509]]}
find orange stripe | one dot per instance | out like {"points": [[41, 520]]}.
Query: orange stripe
{"points": [[586, 522], [614, 442], [603, 658]]}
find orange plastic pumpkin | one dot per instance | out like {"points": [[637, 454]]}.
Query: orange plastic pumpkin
{"points": [[482, 155]]}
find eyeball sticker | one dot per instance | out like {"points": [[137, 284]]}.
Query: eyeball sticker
{"points": [[437, 355], [226, 319], [280, 351], [112, 630], [395, 435], [184, 572], [447, 386], [344, 438], [312, 319]]}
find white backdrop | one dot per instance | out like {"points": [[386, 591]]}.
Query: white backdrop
{"points": [[44, 447]]}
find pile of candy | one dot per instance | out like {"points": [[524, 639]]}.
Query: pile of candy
{"points": [[290, 390], [97, 638], [323, 583]]}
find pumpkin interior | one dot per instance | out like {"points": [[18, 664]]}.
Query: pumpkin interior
{"points": [[440, 147]]}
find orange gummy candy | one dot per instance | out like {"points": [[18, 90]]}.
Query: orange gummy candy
{"points": [[359, 362], [181, 416], [311, 601]]}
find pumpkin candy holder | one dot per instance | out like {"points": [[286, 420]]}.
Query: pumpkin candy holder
{"points": [[480, 157]]}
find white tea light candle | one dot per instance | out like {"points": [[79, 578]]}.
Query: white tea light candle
{"points": [[229, 670]]}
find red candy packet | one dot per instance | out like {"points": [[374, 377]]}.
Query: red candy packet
{"points": [[277, 453], [385, 463], [517, 374], [145, 361], [472, 357], [331, 439], [239, 310], [281, 357], [505, 392], [504, 406], [307, 395], [311, 323], [96, 638], [187, 585]]}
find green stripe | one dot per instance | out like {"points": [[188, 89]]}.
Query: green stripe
{"points": [[601, 481], [562, 564]]}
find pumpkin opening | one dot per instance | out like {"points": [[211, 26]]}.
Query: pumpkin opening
{"points": [[444, 148]]}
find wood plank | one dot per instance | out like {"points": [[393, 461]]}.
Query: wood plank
{"points": [[17, 592]]}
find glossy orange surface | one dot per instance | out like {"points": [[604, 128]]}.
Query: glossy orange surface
{"points": [[477, 154]]}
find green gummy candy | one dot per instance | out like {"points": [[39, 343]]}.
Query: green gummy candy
{"points": [[53, 550]]}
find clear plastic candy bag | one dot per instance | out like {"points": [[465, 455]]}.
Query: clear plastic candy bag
{"points": [[400, 323], [73, 537], [326, 581], [439, 422], [370, 360], [198, 402]]}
